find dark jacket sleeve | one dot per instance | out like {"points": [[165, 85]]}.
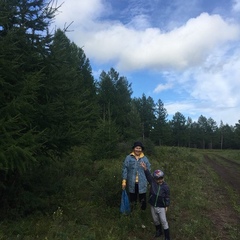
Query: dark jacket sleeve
{"points": [[148, 176], [167, 196]]}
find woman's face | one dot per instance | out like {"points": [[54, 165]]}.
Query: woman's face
{"points": [[137, 150]]}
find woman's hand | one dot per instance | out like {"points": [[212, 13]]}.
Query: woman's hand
{"points": [[143, 164]]}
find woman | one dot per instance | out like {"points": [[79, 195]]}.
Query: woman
{"points": [[133, 175]]}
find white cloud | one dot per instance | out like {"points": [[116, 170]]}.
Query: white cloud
{"points": [[236, 6], [212, 88], [162, 87], [81, 11], [217, 83], [195, 109], [201, 56], [173, 107], [139, 22], [133, 48]]}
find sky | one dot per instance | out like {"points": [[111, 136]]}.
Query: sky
{"points": [[185, 53]]}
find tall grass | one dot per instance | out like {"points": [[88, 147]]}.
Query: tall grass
{"points": [[88, 206]]}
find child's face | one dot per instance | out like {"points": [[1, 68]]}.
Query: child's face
{"points": [[160, 180]]}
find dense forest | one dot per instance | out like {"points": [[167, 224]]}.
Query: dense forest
{"points": [[51, 103]]}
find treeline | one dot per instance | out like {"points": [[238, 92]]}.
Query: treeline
{"points": [[50, 102]]}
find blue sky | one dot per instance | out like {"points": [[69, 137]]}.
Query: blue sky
{"points": [[184, 52]]}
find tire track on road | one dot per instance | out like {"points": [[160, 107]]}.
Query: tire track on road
{"points": [[229, 172]]}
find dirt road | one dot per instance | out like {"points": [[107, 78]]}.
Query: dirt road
{"points": [[228, 170], [225, 217]]}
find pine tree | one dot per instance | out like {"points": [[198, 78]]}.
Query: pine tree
{"points": [[146, 108], [178, 125], [160, 132]]}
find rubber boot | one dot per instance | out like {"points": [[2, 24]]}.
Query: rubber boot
{"points": [[166, 234], [158, 231]]}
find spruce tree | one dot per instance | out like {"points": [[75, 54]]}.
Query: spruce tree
{"points": [[23, 42]]}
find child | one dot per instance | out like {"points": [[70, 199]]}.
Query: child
{"points": [[159, 200]]}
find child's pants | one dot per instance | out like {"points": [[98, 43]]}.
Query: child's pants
{"points": [[159, 216]]}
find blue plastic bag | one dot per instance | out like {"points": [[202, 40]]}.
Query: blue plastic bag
{"points": [[125, 204]]}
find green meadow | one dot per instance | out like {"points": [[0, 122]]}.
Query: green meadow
{"points": [[87, 204]]}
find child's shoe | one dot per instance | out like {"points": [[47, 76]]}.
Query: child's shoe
{"points": [[158, 231], [166, 234]]}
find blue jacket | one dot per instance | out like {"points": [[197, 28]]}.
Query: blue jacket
{"points": [[159, 194], [132, 167]]}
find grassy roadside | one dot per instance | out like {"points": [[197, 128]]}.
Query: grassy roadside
{"points": [[234, 155], [88, 208], [230, 160], [222, 196]]}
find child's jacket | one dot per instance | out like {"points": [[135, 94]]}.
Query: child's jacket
{"points": [[159, 194]]}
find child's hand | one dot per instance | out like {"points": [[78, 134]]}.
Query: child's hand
{"points": [[143, 164]]}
